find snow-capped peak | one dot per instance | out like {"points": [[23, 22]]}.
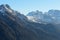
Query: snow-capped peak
{"points": [[5, 7], [52, 16], [6, 10], [36, 16]]}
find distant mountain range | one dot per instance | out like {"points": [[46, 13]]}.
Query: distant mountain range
{"points": [[52, 16], [34, 26]]}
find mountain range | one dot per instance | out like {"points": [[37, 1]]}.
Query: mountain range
{"points": [[34, 26], [52, 16]]}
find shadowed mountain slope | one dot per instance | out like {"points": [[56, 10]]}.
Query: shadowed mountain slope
{"points": [[16, 26]]}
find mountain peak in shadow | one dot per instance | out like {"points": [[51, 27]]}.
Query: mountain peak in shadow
{"points": [[5, 5]]}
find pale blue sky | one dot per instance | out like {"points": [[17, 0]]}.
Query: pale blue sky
{"points": [[25, 6]]}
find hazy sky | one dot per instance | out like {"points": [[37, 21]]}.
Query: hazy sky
{"points": [[25, 6]]}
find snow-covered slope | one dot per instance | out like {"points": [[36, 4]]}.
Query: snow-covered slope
{"points": [[35, 16], [52, 16], [6, 8]]}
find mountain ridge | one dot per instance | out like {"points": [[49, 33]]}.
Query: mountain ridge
{"points": [[52, 16], [16, 26]]}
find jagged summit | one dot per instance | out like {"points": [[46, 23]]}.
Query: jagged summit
{"points": [[4, 5], [52, 16], [33, 13], [5, 8]]}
